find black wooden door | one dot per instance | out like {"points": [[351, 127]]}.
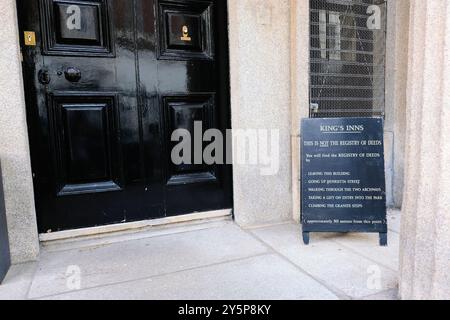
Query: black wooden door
{"points": [[106, 84]]}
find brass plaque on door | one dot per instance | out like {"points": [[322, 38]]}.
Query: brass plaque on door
{"points": [[185, 36], [30, 38]]}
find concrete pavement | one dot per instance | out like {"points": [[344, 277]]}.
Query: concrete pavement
{"points": [[212, 260]]}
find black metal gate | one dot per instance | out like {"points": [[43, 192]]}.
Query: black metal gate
{"points": [[348, 53]]}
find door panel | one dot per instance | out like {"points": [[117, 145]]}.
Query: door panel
{"points": [[190, 31], [106, 85], [73, 28], [186, 29], [86, 143], [182, 112]]}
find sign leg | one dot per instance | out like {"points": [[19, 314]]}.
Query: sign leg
{"points": [[306, 238], [383, 239]]}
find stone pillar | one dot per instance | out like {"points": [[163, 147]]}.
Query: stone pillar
{"points": [[401, 25], [14, 150], [260, 99], [396, 78], [299, 90], [425, 235]]}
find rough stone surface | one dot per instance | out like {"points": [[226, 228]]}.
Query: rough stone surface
{"points": [[389, 117], [425, 232], [395, 113], [388, 167], [14, 149], [260, 99], [400, 23]]}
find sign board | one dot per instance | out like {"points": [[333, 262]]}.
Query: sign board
{"points": [[5, 260], [343, 177]]}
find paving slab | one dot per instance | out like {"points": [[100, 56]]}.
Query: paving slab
{"points": [[18, 282], [367, 245], [341, 269], [258, 278], [140, 259]]}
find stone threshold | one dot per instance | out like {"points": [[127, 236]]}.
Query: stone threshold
{"points": [[138, 226]]}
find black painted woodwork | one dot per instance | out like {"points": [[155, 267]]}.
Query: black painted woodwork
{"points": [[5, 257], [103, 98], [198, 16], [92, 39]]}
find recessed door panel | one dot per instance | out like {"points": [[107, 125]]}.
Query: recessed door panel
{"points": [[76, 27], [186, 30], [86, 144], [77, 24], [194, 115]]}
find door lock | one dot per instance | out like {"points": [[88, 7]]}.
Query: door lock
{"points": [[44, 77]]}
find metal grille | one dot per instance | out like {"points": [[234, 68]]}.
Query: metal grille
{"points": [[348, 53]]}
